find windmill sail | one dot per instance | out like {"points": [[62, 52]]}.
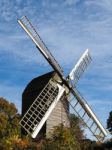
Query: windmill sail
{"points": [[80, 67], [79, 106], [30, 30], [78, 103], [41, 108]]}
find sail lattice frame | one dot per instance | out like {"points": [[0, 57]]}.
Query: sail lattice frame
{"points": [[41, 108]]}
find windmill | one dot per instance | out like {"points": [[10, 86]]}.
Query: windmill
{"points": [[55, 89]]}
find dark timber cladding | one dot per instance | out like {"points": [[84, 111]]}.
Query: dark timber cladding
{"points": [[58, 115]]}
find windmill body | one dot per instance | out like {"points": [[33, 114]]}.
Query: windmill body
{"points": [[58, 115], [52, 96]]}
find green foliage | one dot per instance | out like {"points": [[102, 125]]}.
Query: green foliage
{"points": [[109, 122], [9, 119], [16, 143], [62, 139], [76, 127], [108, 144]]}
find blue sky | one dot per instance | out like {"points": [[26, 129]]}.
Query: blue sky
{"points": [[68, 27]]}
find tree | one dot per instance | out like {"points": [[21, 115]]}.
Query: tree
{"points": [[10, 137], [9, 119], [109, 122], [66, 138], [108, 144], [62, 139], [76, 127], [9, 124]]}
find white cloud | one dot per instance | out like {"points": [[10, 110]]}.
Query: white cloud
{"points": [[71, 2], [104, 4], [10, 10]]}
